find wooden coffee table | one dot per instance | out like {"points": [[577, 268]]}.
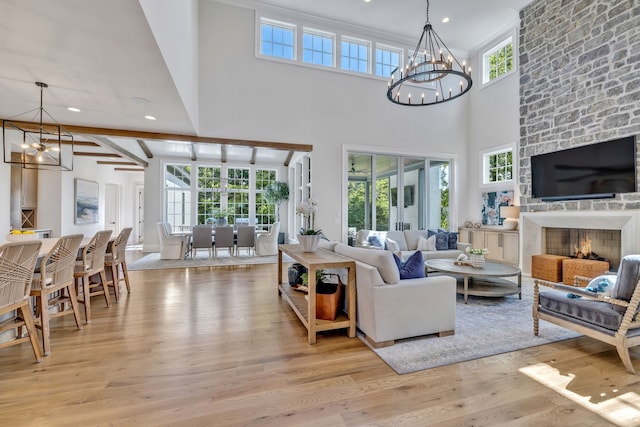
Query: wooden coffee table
{"points": [[485, 281]]}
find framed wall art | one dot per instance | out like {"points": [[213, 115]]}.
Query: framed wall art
{"points": [[491, 203], [86, 201]]}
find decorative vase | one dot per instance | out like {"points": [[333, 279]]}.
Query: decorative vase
{"points": [[309, 242], [477, 261]]}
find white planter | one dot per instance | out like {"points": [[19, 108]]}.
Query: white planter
{"points": [[477, 261], [309, 242]]}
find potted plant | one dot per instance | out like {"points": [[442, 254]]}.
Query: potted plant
{"points": [[220, 214], [276, 193]]}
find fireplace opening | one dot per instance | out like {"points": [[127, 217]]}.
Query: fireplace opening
{"points": [[590, 244]]}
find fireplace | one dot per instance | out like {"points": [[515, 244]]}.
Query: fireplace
{"points": [[613, 234], [596, 244]]}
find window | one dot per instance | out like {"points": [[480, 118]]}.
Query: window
{"points": [[317, 48], [208, 193], [177, 183], [237, 194], [387, 60], [265, 211], [354, 56], [498, 61], [498, 166], [277, 39]]}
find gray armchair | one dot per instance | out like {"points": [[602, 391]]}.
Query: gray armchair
{"points": [[611, 319]]}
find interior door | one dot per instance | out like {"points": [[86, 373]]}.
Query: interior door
{"points": [[111, 207]]}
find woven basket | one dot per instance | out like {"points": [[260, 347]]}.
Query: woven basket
{"points": [[547, 267], [22, 237], [582, 267]]}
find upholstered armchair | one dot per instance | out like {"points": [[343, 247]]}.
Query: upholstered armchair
{"points": [[267, 244], [612, 319], [171, 247]]}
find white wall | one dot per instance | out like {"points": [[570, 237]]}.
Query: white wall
{"points": [[5, 199], [252, 98], [494, 121]]}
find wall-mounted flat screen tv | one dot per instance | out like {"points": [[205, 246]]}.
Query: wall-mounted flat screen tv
{"points": [[409, 195], [592, 171]]}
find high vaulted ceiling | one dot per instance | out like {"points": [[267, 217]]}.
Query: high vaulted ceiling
{"points": [[102, 57]]}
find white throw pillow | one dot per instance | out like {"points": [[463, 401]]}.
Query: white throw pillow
{"points": [[425, 244], [392, 245]]}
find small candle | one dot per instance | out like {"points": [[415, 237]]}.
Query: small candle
{"points": [[409, 96]]}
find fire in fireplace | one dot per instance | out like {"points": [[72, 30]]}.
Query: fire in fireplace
{"points": [[583, 250]]}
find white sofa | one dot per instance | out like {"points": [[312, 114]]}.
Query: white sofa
{"points": [[408, 243], [388, 308]]}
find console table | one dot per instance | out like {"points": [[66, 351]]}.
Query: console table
{"points": [[305, 308]]}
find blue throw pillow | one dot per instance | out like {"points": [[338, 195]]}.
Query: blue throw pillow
{"points": [[431, 232], [442, 241], [453, 240], [375, 241], [412, 268]]}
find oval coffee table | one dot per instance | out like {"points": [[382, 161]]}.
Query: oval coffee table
{"points": [[483, 281]]}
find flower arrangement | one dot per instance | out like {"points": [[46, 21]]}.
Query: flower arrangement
{"points": [[308, 211], [473, 251]]}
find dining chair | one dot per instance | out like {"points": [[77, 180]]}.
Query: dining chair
{"points": [[171, 246], [246, 238], [52, 286], [201, 238], [89, 272], [267, 244], [224, 238], [115, 261], [17, 263]]}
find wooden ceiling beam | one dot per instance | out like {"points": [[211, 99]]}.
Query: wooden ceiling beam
{"points": [[192, 149], [107, 143], [223, 154], [88, 154], [103, 162], [180, 137], [129, 169], [289, 157], [254, 152], [145, 148], [80, 143]]}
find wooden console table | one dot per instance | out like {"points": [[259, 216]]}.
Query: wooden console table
{"points": [[305, 308]]}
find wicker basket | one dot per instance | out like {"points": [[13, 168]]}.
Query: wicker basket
{"points": [[22, 237], [582, 267], [547, 267]]}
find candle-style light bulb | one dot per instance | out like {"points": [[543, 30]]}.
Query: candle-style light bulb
{"points": [[423, 98], [409, 97]]}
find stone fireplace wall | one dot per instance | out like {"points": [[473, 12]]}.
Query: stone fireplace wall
{"points": [[579, 84]]}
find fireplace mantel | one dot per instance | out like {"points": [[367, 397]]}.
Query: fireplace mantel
{"points": [[531, 224]]}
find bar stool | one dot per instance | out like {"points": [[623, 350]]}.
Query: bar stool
{"points": [[17, 262], [55, 278], [115, 261], [92, 264]]}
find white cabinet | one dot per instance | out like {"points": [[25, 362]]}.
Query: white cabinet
{"points": [[503, 245]]}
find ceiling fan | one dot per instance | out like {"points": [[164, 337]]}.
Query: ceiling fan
{"points": [[353, 169]]}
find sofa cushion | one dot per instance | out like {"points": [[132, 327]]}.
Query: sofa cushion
{"points": [[448, 254], [328, 245], [412, 268], [425, 244], [382, 260], [412, 236], [374, 240], [442, 240], [453, 240], [628, 276], [599, 313], [391, 245], [398, 236]]}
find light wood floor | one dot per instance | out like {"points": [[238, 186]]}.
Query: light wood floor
{"points": [[217, 347]]}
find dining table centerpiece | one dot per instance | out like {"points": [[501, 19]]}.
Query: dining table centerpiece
{"points": [[309, 237]]}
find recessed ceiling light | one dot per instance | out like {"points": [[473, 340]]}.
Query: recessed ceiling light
{"points": [[74, 109], [445, 19], [149, 117], [367, 1]]}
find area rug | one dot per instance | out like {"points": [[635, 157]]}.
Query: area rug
{"points": [[484, 327], [152, 261]]}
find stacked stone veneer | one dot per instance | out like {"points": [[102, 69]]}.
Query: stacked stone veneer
{"points": [[579, 84]]}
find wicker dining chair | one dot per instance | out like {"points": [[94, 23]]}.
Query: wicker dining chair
{"points": [[52, 286], [91, 263], [17, 263], [115, 261]]}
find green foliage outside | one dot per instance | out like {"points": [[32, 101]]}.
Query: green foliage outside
{"points": [[501, 61], [501, 166]]}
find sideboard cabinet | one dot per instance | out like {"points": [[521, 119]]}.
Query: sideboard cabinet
{"points": [[503, 245]]}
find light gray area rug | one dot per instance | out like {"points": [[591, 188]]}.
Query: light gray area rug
{"points": [[152, 261], [484, 327]]}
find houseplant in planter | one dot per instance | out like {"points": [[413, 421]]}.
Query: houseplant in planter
{"points": [[220, 216], [309, 237], [277, 193]]}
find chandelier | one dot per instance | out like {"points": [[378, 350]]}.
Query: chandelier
{"points": [[33, 144], [432, 75]]}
